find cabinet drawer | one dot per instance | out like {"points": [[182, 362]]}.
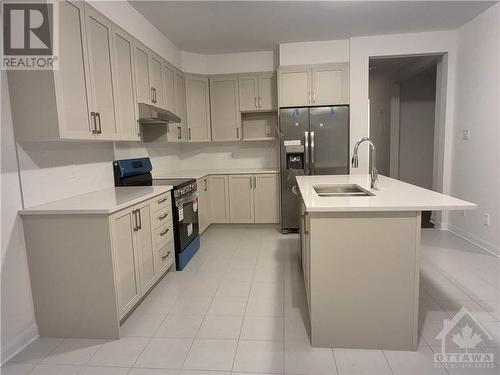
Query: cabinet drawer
{"points": [[162, 202], [166, 256], [162, 235], [162, 217]]}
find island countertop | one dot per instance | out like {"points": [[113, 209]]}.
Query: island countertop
{"points": [[106, 201], [390, 195]]}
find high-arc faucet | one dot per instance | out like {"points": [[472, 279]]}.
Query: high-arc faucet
{"points": [[355, 161]]}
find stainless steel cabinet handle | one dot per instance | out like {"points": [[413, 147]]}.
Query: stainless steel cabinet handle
{"points": [[309, 95], [306, 153], [160, 201], [314, 97], [238, 133], [136, 227], [166, 255], [254, 182], [260, 102], [255, 101], [189, 133], [164, 232], [140, 219], [312, 151], [94, 126], [161, 217], [251, 186], [206, 185], [152, 95], [179, 132], [98, 116]]}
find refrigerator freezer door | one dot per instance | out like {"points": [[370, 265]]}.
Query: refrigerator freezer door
{"points": [[294, 125], [329, 127]]}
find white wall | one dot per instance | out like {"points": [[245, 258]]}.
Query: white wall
{"points": [[475, 172], [329, 51], [18, 325], [416, 129], [229, 62]]}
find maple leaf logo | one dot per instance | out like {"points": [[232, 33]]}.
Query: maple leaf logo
{"points": [[466, 339]]}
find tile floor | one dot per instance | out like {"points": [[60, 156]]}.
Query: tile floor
{"points": [[240, 307]]}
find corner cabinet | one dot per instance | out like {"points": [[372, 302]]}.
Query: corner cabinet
{"points": [[89, 270], [321, 84], [225, 108]]}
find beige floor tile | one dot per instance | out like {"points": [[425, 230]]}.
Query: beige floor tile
{"points": [[262, 328], [37, 350], [180, 326], [164, 353], [228, 306], [73, 352], [207, 354], [301, 358], [220, 327], [119, 353], [361, 362], [259, 356]]}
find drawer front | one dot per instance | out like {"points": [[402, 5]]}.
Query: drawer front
{"points": [[162, 217], [166, 257], [162, 235], [162, 202]]}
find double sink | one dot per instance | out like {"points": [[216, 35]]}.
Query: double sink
{"points": [[341, 190]]}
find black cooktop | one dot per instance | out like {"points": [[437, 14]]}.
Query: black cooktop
{"points": [[175, 182]]}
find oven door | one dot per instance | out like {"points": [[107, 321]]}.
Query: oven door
{"points": [[186, 215]]}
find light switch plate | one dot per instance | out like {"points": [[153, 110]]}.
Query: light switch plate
{"points": [[466, 134]]}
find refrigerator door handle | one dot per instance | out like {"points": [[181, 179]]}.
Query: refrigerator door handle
{"points": [[312, 152], [306, 153]]}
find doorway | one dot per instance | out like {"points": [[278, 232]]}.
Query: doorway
{"points": [[402, 92]]}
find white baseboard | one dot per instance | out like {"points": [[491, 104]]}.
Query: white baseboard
{"points": [[20, 342], [485, 245]]}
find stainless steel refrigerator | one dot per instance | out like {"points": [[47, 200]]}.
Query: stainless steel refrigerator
{"points": [[313, 141]]}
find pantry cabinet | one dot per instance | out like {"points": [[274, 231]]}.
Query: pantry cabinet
{"points": [[224, 108], [198, 108], [204, 218], [219, 198], [241, 198], [322, 84], [257, 92], [124, 86]]}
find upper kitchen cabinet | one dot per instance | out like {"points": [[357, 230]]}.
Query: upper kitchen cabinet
{"points": [[309, 85], [330, 84], [257, 92], [124, 85], [155, 80], [224, 108], [198, 108], [149, 77], [169, 86], [177, 132], [60, 104]]}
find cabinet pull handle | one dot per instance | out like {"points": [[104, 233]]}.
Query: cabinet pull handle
{"points": [[164, 232], [251, 182], [255, 101], [152, 95], [161, 217], [254, 182], [136, 227], [237, 133], [314, 97], [94, 127], [179, 134], [189, 131], [98, 116], [140, 220], [160, 201], [309, 95], [260, 102], [206, 186], [166, 255]]}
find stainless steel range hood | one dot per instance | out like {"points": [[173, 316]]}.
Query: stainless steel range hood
{"points": [[150, 114]]}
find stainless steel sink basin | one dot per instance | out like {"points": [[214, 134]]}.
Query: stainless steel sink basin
{"points": [[338, 190]]}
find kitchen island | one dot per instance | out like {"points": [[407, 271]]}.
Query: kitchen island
{"points": [[360, 257]]}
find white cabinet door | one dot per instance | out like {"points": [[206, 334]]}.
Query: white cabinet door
{"points": [[99, 50], [198, 108], [203, 204], [295, 86], [169, 87], [330, 84], [266, 198], [219, 198], [155, 80], [125, 260], [241, 206], [248, 91], [144, 246], [72, 81], [180, 105], [267, 99], [124, 87], [142, 74], [224, 108]]}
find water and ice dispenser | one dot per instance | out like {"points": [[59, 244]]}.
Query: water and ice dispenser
{"points": [[294, 157]]}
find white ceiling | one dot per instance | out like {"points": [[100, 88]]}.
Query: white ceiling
{"points": [[213, 27]]}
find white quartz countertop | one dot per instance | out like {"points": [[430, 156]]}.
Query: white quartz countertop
{"points": [[392, 195], [200, 173], [105, 201]]}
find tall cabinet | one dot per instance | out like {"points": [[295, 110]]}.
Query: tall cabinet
{"points": [[198, 108], [224, 108]]}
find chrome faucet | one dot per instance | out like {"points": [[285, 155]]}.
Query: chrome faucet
{"points": [[355, 161]]}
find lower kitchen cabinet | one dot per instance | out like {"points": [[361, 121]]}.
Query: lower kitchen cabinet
{"points": [[241, 198], [203, 204], [89, 270], [305, 253], [219, 198], [266, 198]]}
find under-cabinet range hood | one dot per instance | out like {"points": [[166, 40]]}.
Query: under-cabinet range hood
{"points": [[150, 114]]}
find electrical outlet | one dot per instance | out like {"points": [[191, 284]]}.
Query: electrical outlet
{"points": [[486, 220], [268, 130], [466, 134]]}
